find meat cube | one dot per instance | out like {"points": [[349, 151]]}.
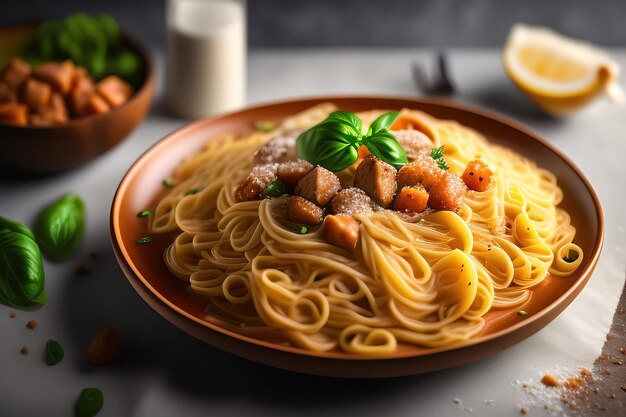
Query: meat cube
{"points": [[96, 104], [477, 175], [15, 73], [352, 201], [413, 142], [260, 177], [318, 186], [59, 75], [7, 95], [290, 173], [36, 93], [279, 149], [115, 91], [341, 230], [80, 95], [52, 113], [301, 210], [423, 170], [14, 114], [411, 200], [447, 193], [378, 179]]}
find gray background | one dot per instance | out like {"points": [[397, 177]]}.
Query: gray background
{"points": [[440, 23]]}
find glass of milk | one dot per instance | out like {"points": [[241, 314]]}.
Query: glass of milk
{"points": [[205, 57]]}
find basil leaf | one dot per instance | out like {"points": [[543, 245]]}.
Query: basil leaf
{"points": [[383, 122], [54, 352], [8, 224], [59, 228], [330, 145], [89, 403], [384, 145], [21, 270], [348, 118]]}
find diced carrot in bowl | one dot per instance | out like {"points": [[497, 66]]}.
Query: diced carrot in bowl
{"points": [[96, 104], [36, 93], [14, 113], [477, 175], [59, 75], [15, 73], [115, 91]]}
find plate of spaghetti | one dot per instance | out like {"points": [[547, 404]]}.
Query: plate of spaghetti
{"points": [[357, 236]]}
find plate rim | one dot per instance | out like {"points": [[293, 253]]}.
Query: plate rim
{"points": [[559, 303]]}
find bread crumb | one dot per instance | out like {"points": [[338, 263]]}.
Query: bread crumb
{"points": [[24, 350], [12, 315], [550, 381], [32, 324], [523, 410]]}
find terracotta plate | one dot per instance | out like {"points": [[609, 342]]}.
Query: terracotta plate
{"points": [[144, 267]]}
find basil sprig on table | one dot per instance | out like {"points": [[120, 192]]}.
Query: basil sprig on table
{"points": [[59, 228], [21, 267], [334, 143], [54, 352]]}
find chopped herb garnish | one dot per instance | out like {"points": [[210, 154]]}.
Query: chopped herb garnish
{"points": [[265, 125], [304, 230], [144, 240], [522, 313], [572, 256], [437, 155], [54, 352], [275, 188], [144, 213], [192, 191], [169, 183]]}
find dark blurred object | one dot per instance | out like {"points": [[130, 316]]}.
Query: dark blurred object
{"points": [[438, 83], [62, 147], [437, 23]]}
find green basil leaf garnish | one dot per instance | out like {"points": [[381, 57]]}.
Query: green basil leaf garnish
{"points": [[59, 228], [21, 270], [334, 143], [89, 403], [54, 352], [383, 122], [8, 224], [383, 145]]}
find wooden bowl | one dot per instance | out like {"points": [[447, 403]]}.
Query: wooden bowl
{"points": [[58, 148], [144, 267]]}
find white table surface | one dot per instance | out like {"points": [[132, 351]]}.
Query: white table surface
{"points": [[165, 372]]}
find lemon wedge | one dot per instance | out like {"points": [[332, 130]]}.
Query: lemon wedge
{"points": [[560, 74]]}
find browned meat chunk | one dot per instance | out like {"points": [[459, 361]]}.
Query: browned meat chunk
{"points": [[341, 230], [377, 179], [423, 170], [290, 173], [447, 193], [411, 200], [280, 149], [259, 178], [353, 201], [115, 91], [301, 210], [15, 73], [319, 186], [7, 95], [52, 113], [59, 75], [36, 93], [96, 104], [80, 94], [413, 142]]}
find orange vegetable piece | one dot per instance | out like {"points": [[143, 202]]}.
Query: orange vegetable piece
{"points": [[363, 152], [447, 193], [341, 230], [115, 91], [59, 75], [36, 93], [14, 113], [7, 95], [79, 96], [411, 199], [105, 346], [51, 114], [477, 175]]}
